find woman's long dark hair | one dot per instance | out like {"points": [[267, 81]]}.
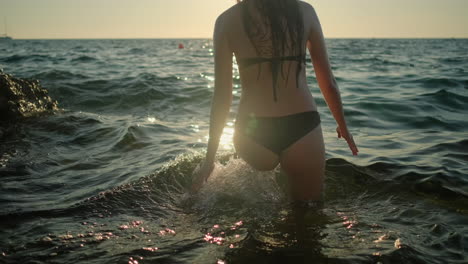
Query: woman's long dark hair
{"points": [[277, 31]]}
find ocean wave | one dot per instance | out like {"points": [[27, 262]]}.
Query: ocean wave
{"points": [[454, 60], [26, 58], [437, 82], [84, 59], [135, 138], [458, 146], [80, 48], [66, 123], [377, 61], [438, 186], [59, 75], [137, 51], [174, 178], [343, 178], [448, 98], [142, 90]]}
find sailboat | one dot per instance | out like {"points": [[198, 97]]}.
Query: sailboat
{"points": [[5, 36]]}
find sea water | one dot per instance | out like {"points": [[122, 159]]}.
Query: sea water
{"points": [[105, 179]]}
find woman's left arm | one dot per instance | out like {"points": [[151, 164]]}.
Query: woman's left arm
{"points": [[222, 98]]}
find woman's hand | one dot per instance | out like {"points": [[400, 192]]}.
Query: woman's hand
{"points": [[349, 139], [200, 175]]}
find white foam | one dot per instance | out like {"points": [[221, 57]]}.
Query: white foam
{"points": [[238, 183]]}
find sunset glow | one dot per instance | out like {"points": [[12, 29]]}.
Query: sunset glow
{"points": [[195, 19]]}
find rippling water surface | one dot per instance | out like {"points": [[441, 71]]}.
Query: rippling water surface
{"points": [[105, 179]]}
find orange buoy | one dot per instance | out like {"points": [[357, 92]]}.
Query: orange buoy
{"points": [[181, 46]]}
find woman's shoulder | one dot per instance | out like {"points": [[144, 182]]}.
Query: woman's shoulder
{"points": [[228, 18], [310, 16], [229, 13], [306, 6]]}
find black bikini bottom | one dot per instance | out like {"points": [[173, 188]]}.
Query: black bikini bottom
{"points": [[278, 133]]}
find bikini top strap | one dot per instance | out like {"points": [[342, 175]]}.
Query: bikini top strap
{"points": [[275, 66]]}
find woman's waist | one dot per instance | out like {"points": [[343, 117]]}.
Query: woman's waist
{"points": [[264, 108]]}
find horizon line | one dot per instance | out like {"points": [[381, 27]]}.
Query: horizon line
{"points": [[210, 38]]}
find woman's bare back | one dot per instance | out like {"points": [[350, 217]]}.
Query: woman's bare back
{"points": [[257, 80]]}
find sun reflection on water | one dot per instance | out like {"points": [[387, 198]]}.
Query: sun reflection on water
{"points": [[226, 142]]}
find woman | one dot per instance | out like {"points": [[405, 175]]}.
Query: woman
{"points": [[277, 120]]}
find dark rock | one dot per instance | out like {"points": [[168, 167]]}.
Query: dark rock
{"points": [[23, 98]]}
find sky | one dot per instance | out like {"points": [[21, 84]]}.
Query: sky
{"points": [[63, 19]]}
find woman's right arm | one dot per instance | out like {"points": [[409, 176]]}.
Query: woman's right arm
{"points": [[221, 102], [326, 79]]}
